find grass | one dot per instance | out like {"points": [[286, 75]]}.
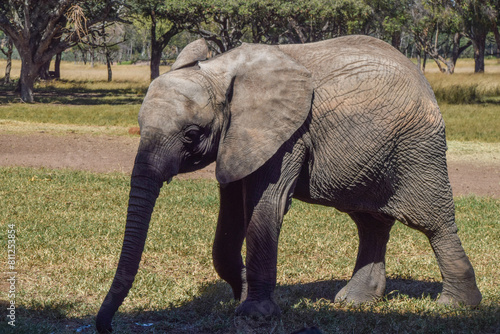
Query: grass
{"points": [[80, 72], [462, 88], [477, 152], [99, 115], [465, 87], [472, 122], [69, 229]]}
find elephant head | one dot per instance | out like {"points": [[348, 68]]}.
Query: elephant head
{"points": [[236, 109]]}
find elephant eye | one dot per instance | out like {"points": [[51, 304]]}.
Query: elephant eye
{"points": [[192, 134]]}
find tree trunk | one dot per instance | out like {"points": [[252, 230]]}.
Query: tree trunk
{"points": [[92, 57], [496, 33], [108, 65], [155, 61], [57, 66], [43, 73], [479, 49], [457, 49], [396, 39], [29, 73], [8, 67]]}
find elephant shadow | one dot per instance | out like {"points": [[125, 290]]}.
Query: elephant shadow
{"points": [[212, 308], [214, 304], [395, 287]]}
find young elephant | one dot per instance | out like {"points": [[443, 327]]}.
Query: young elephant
{"points": [[349, 123]]}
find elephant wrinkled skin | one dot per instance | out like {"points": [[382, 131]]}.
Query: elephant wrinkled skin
{"points": [[348, 123]]}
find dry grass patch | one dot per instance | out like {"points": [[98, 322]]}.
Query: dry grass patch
{"points": [[86, 73], [18, 127], [473, 151]]}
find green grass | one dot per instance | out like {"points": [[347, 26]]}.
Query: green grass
{"points": [[472, 122], [69, 228], [98, 115]]}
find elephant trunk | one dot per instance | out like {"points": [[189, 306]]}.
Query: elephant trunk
{"points": [[146, 183]]}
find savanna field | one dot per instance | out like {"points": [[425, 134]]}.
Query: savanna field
{"points": [[69, 228]]}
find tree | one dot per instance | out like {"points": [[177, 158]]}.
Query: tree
{"points": [[494, 16], [42, 29], [165, 19], [318, 20], [389, 19], [105, 40], [435, 25], [476, 21], [225, 23], [7, 43], [228, 23]]}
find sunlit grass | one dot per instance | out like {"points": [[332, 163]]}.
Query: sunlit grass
{"points": [[97, 115], [26, 128], [69, 228], [465, 66], [465, 88], [70, 71], [477, 152], [472, 122]]}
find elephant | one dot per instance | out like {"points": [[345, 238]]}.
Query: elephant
{"points": [[349, 123]]}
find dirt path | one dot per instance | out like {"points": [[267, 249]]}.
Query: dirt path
{"points": [[116, 153]]}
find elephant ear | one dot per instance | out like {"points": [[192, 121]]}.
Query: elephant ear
{"points": [[193, 52], [269, 98]]}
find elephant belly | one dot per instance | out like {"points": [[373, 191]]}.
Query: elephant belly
{"points": [[350, 167], [347, 188]]}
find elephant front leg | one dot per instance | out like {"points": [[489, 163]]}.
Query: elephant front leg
{"points": [[265, 206], [368, 280], [261, 263], [229, 239]]}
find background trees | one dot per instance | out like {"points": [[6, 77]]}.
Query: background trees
{"points": [[41, 29], [156, 30]]}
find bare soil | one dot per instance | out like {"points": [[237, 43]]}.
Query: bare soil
{"points": [[116, 154]]}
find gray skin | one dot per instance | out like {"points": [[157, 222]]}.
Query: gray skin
{"points": [[348, 123]]}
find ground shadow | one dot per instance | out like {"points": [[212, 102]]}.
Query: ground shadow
{"points": [[311, 304], [77, 95]]}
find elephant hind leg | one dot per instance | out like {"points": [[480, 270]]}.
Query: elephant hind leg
{"points": [[459, 281], [368, 280], [436, 219]]}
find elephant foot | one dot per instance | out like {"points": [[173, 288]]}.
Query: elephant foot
{"points": [[103, 327], [460, 294], [362, 288], [258, 309]]}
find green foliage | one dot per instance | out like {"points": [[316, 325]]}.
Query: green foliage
{"points": [[71, 223]]}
